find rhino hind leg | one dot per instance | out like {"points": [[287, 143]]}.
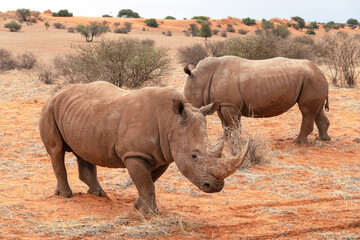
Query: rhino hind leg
{"points": [[88, 174], [322, 123], [57, 161], [230, 120]]}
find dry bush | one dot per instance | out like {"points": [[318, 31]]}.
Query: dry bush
{"points": [[258, 150], [192, 54], [46, 73], [301, 47], [26, 60], [123, 62], [148, 42], [7, 61], [215, 48], [340, 52]]}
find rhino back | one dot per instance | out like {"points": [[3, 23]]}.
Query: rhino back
{"points": [[263, 88]]}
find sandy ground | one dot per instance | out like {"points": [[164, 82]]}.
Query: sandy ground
{"points": [[297, 192]]}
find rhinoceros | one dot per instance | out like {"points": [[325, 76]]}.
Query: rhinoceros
{"points": [[142, 130], [259, 89]]}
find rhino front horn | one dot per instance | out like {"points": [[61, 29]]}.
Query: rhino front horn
{"points": [[226, 167]]}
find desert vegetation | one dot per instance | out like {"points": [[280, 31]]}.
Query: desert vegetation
{"points": [[92, 30]]}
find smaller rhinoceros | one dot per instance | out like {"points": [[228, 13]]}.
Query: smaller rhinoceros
{"points": [[143, 130], [260, 88]]}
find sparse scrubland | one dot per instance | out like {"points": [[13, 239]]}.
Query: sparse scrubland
{"points": [[283, 191]]}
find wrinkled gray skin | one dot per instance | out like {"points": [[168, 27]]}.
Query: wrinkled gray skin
{"points": [[143, 130], [260, 88]]}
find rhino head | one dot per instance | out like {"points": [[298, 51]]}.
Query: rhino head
{"points": [[189, 146], [195, 89]]}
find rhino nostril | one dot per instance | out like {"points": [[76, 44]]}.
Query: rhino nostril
{"points": [[206, 187]]}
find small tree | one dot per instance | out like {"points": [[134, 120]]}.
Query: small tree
{"points": [[92, 30], [310, 32], [312, 25], [205, 30], [281, 31], [128, 13], [151, 22], [267, 26], [13, 26], [23, 13], [230, 28], [193, 29], [300, 21], [170, 17], [62, 13], [128, 26], [116, 24], [47, 25], [351, 22]]}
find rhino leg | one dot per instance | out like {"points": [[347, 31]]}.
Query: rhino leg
{"points": [[155, 176], [230, 119], [58, 164], [88, 174], [322, 123], [140, 172]]}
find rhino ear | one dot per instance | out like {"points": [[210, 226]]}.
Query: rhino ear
{"points": [[188, 69], [178, 107], [210, 108]]}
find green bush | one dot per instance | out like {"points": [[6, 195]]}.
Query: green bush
{"points": [[92, 30], [62, 13], [47, 25], [205, 30], [310, 32], [170, 17], [352, 23], [312, 25], [200, 18], [23, 13], [267, 25], [107, 15], [59, 26], [128, 13], [230, 28], [194, 30], [249, 21], [300, 21], [215, 31], [123, 62], [242, 31], [13, 26], [281, 31], [151, 22]]}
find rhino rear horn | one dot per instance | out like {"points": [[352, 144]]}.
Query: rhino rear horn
{"points": [[188, 69], [210, 108]]}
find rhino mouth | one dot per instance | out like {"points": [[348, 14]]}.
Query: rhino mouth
{"points": [[210, 187]]}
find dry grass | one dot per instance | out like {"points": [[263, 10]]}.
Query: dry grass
{"points": [[128, 225]]}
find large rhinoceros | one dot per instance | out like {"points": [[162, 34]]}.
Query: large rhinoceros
{"points": [[260, 88], [143, 130]]}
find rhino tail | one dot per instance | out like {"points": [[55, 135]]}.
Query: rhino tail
{"points": [[327, 104]]}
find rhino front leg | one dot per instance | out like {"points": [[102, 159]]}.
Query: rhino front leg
{"points": [[58, 164], [230, 119], [140, 172], [88, 174]]}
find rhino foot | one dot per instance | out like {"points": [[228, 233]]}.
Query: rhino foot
{"points": [[63, 193], [298, 141], [144, 209], [98, 192], [324, 138]]}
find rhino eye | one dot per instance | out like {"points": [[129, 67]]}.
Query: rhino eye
{"points": [[194, 157]]}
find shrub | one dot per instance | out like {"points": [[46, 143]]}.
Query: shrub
{"points": [[242, 31], [107, 15], [312, 25], [267, 25], [223, 34], [47, 25], [300, 21], [62, 13], [170, 17], [215, 48], [13, 26], [128, 13], [300, 47], [310, 32], [230, 28], [7, 61], [340, 53], [92, 30], [191, 54], [151, 22], [122, 30], [205, 30], [352, 22], [215, 31], [249, 21], [59, 26], [168, 33], [148, 42], [45, 73], [26, 60], [116, 24], [71, 30], [123, 62], [281, 31], [128, 26], [23, 13]]}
